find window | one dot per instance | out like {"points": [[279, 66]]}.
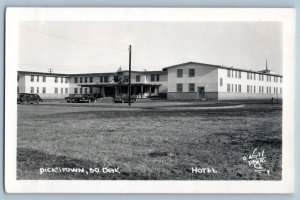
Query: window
{"points": [[85, 90], [101, 79], [179, 87], [56, 90], [191, 72], [18, 78], [44, 90], [55, 79], [254, 89], [61, 90], [76, 90], [240, 88], [66, 90], [80, 79], [235, 74], [231, 87], [66, 80], [280, 90], [157, 77], [137, 78], [62, 79], [228, 72], [91, 79], [251, 76], [262, 89], [179, 73], [228, 87], [85, 79], [240, 74], [221, 81], [248, 89], [152, 77], [32, 78], [80, 90], [191, 87], [32, 90], [18, 90], [262, 77], [37, 90], [105, 79], [280, 79], [254, 76], [76, 80], [235, 88], [37, 78], [259, 89]]}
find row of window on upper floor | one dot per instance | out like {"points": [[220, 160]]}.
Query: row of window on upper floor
{"points": [[180, 72], [235, 74], [252, 76], [34, 78]]}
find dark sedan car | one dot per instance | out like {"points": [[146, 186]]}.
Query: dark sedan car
{"points": [[26, 98], [81, 98]]}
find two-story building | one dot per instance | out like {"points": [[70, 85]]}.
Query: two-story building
{"points": [[57, 86], [193, 80]]}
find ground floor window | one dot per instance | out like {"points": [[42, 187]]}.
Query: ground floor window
{"points": [[44, 90], [228, 87], [179, 87], [37, 90], [66, 90], [76, 90], [32, 90], [56, 90], [191, 87], [61, 90]]}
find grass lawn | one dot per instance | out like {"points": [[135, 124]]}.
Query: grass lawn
{"points": [[146, 142]]}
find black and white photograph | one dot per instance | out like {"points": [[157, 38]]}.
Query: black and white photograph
{"points": [[149, 95]]}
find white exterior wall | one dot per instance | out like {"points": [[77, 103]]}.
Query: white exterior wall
{"points": [[95, 77], [244, 82], [25, 85], [205, 76]]}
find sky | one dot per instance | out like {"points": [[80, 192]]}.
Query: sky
{"points": [[91, 46]]}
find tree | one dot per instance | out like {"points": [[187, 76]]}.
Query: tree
{"points": [[120, 77]]}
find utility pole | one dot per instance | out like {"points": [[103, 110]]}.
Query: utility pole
{"points": [[129, 81]]}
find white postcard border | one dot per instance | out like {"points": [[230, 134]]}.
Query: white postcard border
{"points": [[15, 15]]}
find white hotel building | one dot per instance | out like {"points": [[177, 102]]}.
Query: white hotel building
{"points": [[189, 80]]}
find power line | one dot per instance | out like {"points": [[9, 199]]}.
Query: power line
{"points": [[67, 39]]}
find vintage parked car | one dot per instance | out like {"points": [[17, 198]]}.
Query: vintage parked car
{"points": [[87, 98], [26, 98], [124, 98], [80, 98]]}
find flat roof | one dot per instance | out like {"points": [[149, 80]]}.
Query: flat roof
{"points": [[94, 74], [220, 66]]}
